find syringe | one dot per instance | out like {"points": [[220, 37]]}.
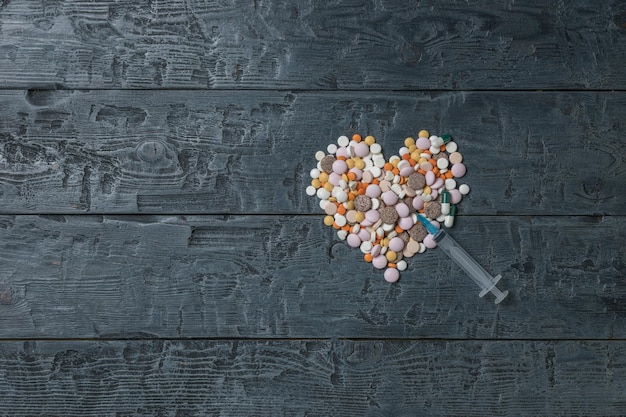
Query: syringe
{"points": [[466, 262]]}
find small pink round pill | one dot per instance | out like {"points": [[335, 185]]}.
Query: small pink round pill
{"points": [[437, 184], [342, 151], [372, 191], [379, 262], [405, 223], [418, 203], [361, 149], [353, 240], [390, 198], [375, 250], [334, 178], [455, 196], [372, 215], [429, 241], [402, 209], [458, 170], [396, 244], [406, 171], [358, 173], [423, 143], [340, 166], [430, 177], [391, 275]]}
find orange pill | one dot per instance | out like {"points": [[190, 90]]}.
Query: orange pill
{"points": [[356, 137], [368, 257]]}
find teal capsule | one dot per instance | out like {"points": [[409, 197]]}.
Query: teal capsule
{"points": [[446, 138], [445, 202], [449, 220]]}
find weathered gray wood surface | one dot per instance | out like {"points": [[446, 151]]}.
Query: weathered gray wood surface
{"points": [[314, 44], [313, 377], [251, 152], [276, 276], [159, 256]]}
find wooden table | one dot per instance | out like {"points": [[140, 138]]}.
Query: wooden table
{"points": [[159, 255]]}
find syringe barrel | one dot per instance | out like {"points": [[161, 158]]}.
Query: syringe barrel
{"points": [[464, 260]]}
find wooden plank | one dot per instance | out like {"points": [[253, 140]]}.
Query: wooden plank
{"points": [[313, 377], [250, 152], [277, 276], [351, 44]]}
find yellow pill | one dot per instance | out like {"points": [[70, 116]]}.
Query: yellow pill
{"points": [[328, 186], [391, 255], [349, 204], [370, 140], [323, 177], [412, 148], [360, 216], [395, 162], [344, 177], [350, 163], [421, 161], [316, 183], [423, 134], [427, 190], [408, 142], [359, 164], [415, 155], [329, 220], [385, 242]]}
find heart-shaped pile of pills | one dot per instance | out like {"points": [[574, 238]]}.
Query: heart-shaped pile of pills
{"points": [[373, 203]]}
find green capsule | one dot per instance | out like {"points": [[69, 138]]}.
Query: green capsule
{"points": [[446, 138], [445, 202]]}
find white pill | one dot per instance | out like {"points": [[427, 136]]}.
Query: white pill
{"points": [[464, 189], [375, 203], [388, 227], [323, 193], [340, 220], [342, 234], [376, 171], [451, 147], [380, 232], [332, 148], [422, 248], [401, 265], [450, 184], [366, 247], [315, 173], [403, 150], [341, 196], [379, 161], [442, 163], [434, 150], [311, 191], [356, 228], [389, 176], [323, 204], [441, 218], [376, 148], [343, 141], [319, 155], [368, 163]]}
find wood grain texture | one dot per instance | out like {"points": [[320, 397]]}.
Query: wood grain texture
{"points": [[351, 44], [251, 152], [273, 276], [312, 378]]}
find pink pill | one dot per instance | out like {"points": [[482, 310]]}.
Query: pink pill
{"points": [[379, 262], [405, 223], [434, 193], [342, 151], [366, 223], [372, 215], [455, 196], [458, 170], [402, 209], [358, 173], [364, 235], [396, 244], [372, 190], [353, 240], [429, 241], [375, 251], [418, 203], [423, 143], [334, 178], [361, 149], [340, 166], [406, 171], [390, 198], [437, 184], [391, 275], [430, 177]]}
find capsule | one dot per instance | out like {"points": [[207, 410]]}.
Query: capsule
{"points": [[445, 202], [449, 221], [446, 138]]}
